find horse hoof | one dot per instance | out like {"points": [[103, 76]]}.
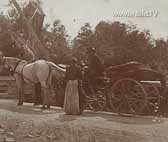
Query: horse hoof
{"points": [[43, 107], [48, 106], [36, 104], [20, 104]]}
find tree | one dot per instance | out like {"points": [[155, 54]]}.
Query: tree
{"points": [[31, 19], [108, 38], [84, 40], [56, 40], [115, 42], [159, 56], [6, 43]]}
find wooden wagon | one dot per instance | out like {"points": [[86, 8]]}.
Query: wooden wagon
{"points": [[132, 88]]}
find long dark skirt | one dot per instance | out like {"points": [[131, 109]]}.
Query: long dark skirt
{"points": [[71, 101]]}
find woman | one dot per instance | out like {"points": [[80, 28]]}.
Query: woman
{"points": [[71, 101]]}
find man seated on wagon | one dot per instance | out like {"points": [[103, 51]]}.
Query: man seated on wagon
{"points": [[95, 66]]}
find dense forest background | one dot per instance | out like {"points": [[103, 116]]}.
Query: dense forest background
{"points": [[115, 43]]}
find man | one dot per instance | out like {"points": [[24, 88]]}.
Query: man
{"points": [[95, 65]]}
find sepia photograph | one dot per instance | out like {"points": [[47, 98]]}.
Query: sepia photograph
{"points": [[83, 71]]}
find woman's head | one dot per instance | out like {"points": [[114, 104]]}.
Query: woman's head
{"points": [[74, 61]]}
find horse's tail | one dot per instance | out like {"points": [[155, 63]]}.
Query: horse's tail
{"points": [[60, 72]]}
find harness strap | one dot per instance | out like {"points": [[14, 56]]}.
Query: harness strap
{"points": [[16, 66], [22, 72], [24, 77], [50, 69]]}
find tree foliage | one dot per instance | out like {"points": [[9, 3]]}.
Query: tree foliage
{"points": [[56, 40], [84, 39], [115, 42], [118, 43], [6, 42]]}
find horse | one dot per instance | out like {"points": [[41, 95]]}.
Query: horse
{"points": [[40, 71]]}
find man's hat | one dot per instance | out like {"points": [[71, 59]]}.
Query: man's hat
{"points": [[90, 50]]}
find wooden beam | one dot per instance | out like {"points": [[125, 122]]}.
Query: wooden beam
{"points": [[30, 29], [28, 23], [19, 40], [17, 7]]}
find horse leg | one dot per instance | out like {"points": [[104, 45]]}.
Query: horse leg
{"points": [[48, 102], [20, 91], [44, 91], [49, 87], [47, 90], [34, 95], [37, 94], [20, 88]]}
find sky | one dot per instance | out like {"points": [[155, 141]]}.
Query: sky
{"points": [[74, 13]]}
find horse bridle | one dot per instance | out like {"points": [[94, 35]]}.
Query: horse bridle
{"points": [[11, 70], [2, 63]]}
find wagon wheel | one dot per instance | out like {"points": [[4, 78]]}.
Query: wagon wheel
{"points": [[153, 99], [127, 96], [96, 101]]}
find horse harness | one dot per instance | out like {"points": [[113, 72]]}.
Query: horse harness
{"points": [[14, 70], [20, 72]]}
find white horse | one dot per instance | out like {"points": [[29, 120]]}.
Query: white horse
{"points": [[40, 71]]}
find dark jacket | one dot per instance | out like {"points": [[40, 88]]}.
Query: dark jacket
{"points": [[95, 65], [73, 72]]}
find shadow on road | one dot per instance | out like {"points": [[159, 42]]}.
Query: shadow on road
{"points": [[27, 108], [139, 120]]}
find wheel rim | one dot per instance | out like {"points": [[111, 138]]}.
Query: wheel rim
{"points": [[153, 99], [127, 96]]}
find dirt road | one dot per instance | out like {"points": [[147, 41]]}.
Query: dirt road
{"points": [[31, 124]]}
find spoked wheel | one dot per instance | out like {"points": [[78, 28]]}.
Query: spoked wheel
{"points": [[127, 96], [153, 99], [96, 101]]}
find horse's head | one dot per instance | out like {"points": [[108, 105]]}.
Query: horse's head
{"points": [[9, 62]]}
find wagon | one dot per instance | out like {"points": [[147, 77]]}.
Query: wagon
{"points": [[131, 88]]}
